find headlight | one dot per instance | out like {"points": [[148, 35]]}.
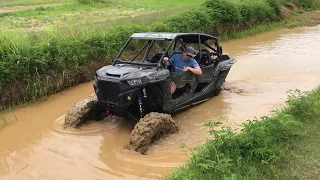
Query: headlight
{"points": [[96, 77], [134, 82]]}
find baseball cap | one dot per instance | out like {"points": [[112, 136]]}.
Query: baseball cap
{"points": [[190, 51]]}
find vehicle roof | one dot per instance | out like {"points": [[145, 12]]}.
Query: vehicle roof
{"points": [[170, 36]]}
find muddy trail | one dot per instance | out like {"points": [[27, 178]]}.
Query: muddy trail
{"points": [[34, 145]]}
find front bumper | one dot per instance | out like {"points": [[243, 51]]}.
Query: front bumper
{"points": [[117, 98]]}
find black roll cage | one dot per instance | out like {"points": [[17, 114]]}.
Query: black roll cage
{"points": [[201, 39]]}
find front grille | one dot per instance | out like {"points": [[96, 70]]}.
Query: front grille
{"points": [[110, 90]]}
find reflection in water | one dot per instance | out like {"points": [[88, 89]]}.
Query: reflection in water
{"points": [[268, 65]]}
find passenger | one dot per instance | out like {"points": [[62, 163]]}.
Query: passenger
{"points": [[183, 62]]}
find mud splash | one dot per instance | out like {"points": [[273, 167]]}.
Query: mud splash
{"points": [[232, 88], [34, 146]]}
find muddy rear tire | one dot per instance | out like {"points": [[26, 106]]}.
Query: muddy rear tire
{"points": [[149, 129], [81, 111]]}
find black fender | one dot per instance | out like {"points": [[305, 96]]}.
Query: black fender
{"points": [[223, 66]]}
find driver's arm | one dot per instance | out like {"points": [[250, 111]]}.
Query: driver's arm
{"points": [[196, 70], [166, 61]]}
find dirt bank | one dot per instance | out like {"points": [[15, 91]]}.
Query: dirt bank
{"points": [[52, 82]]}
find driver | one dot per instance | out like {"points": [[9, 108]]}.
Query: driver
{"points": [[183, 62]]}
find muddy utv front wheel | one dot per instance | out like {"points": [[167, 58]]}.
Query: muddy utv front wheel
{"points": [[85, 109], [149, 129]]}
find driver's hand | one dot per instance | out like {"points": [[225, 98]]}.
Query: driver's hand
{"points": [[214, 57], [186, 69]]}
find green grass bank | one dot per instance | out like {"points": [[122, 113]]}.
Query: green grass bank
{"points": [[282, 146], [11, 3], [37, 65], [98, 13]]}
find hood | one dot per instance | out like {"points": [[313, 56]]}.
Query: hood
{"points": [[129, 71]]}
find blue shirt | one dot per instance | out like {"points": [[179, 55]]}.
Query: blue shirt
{"points": [[177, 61]]}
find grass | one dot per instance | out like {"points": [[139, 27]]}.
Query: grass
{"points": [[4, 121], [73, 13], [304, 162], [296, 20], [282, 146], [12, 3], [254, 31], [304, 19]]}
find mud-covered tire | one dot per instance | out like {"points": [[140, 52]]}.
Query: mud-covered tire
{"points": [[219, 82], [150, 128], [80, 111]]}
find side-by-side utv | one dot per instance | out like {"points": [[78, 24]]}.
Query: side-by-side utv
{"points": [[138, 82]]}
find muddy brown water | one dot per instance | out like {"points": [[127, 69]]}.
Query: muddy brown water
{"points": [[35, 146]]}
